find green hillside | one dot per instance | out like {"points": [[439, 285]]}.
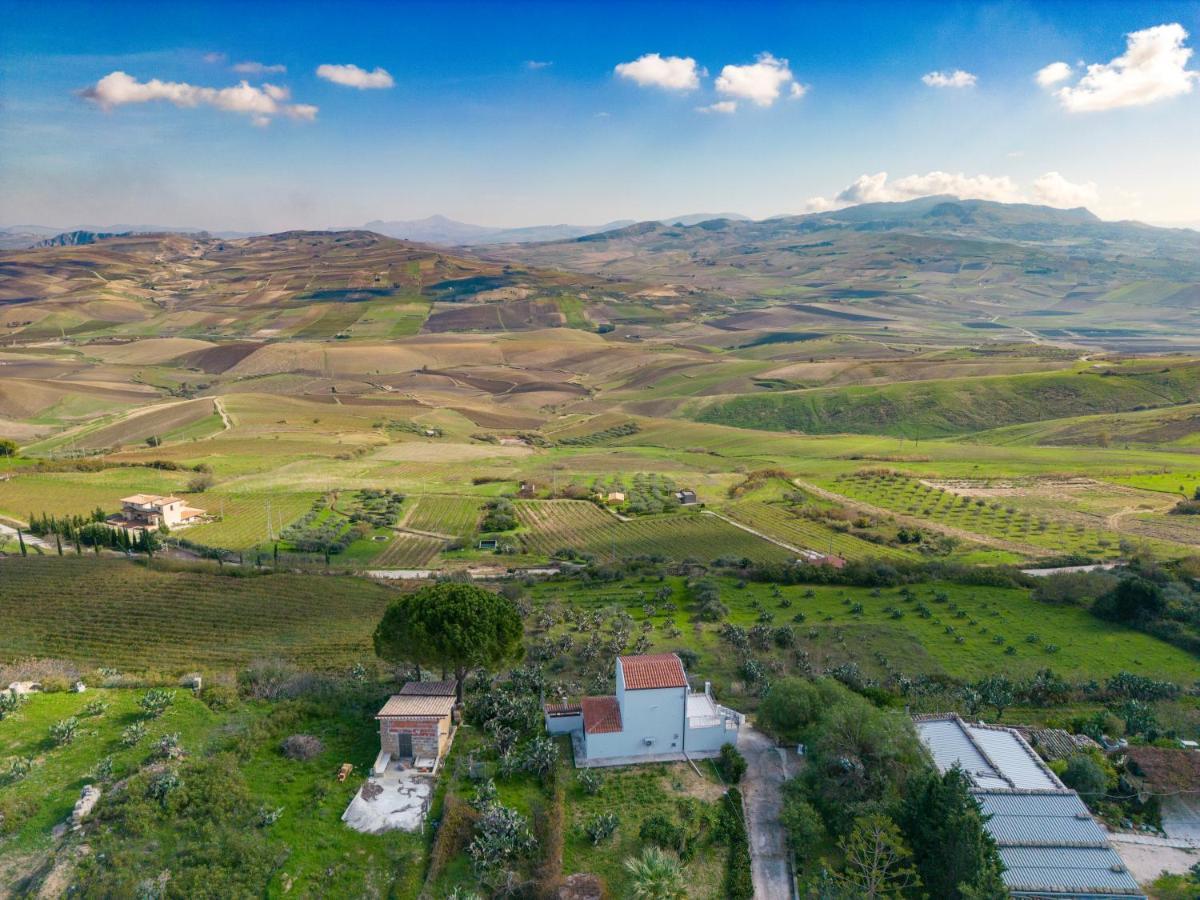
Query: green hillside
{"points": [[960, 406]]}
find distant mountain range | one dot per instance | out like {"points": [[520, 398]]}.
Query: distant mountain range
{"points": [[441, 230], [431, 230], [23, 237]]}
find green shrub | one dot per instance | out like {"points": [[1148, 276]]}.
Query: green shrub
{"points": [[601, 827], [731, 764], [64, 731]]}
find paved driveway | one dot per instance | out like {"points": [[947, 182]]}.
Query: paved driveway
{"points": [[762, 789]]}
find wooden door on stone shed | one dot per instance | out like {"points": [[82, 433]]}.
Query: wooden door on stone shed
{"points": [[403, 745]]}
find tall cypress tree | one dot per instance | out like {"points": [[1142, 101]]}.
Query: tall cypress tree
{"points": [[953, 852]]}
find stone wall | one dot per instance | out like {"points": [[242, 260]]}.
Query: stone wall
{"points": [[428, 735]]}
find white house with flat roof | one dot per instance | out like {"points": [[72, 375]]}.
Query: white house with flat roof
{"points": [[1051, 846], [654, 716]]}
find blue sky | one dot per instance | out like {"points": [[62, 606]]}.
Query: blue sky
{"points": [[459, 122]]}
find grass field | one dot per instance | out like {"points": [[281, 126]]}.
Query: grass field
{"points": [[117, 613], [313, 844], [78, 493], [445, 514], [580, 525], [243, 518], [777, 521], [955, 406]]}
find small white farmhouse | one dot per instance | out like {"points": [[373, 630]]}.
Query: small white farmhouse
{"points": [[653, 717]]}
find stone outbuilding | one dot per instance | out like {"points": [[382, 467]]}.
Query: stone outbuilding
{"points": [[416, 725]]}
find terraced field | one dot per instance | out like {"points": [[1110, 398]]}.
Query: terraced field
{"points": [[776, 521], [117, 613], [405, 550], [445, 514], [577, 524]]}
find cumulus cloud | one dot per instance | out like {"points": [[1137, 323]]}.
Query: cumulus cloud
{"points": [[956, 79], [351, 75], [672, 73], [878, 189], [260, 103], [727, 107], [1051, 189], [760, 82], [1152, 68], [250, 67], [1055, 73]]}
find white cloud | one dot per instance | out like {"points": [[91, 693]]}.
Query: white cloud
{"points": [[1056, 72], [956, 79], [727, 107], [877, 188], [673, 73], [535, 64], [260, 103], [351, 75], [1052, 189], [250, 67], [214, 57], [1152, 68], [760, 82]]}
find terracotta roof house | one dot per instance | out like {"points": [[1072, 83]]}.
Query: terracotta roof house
{"points": [[152, 510], [654, 716], [1051, 846]]}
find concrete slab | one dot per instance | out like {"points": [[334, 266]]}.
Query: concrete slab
{"points": [[396, 800]]}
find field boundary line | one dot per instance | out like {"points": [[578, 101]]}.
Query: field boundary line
{"points": [[912, 521], [429, 534], [758, 534], [226, 421]]}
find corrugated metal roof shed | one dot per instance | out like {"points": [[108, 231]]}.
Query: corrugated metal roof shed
{"points": [[1049, 842], [992, 756], [1034, 820]]}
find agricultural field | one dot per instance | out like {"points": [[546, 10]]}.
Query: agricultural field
{"points": [[581, 525], [942, 629], [245, 521], [407, 551], [786, 525], [1004, 517], [111, 612], [78, 493], [451, 516]]}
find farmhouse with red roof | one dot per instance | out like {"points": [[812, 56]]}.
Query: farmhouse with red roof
{"points": [[653, 717]]}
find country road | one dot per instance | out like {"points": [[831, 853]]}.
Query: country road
{"points": [[762, 793]]}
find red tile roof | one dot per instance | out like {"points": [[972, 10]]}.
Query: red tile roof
{"points": [[562, 709], [601, 715], [661, 670]]}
